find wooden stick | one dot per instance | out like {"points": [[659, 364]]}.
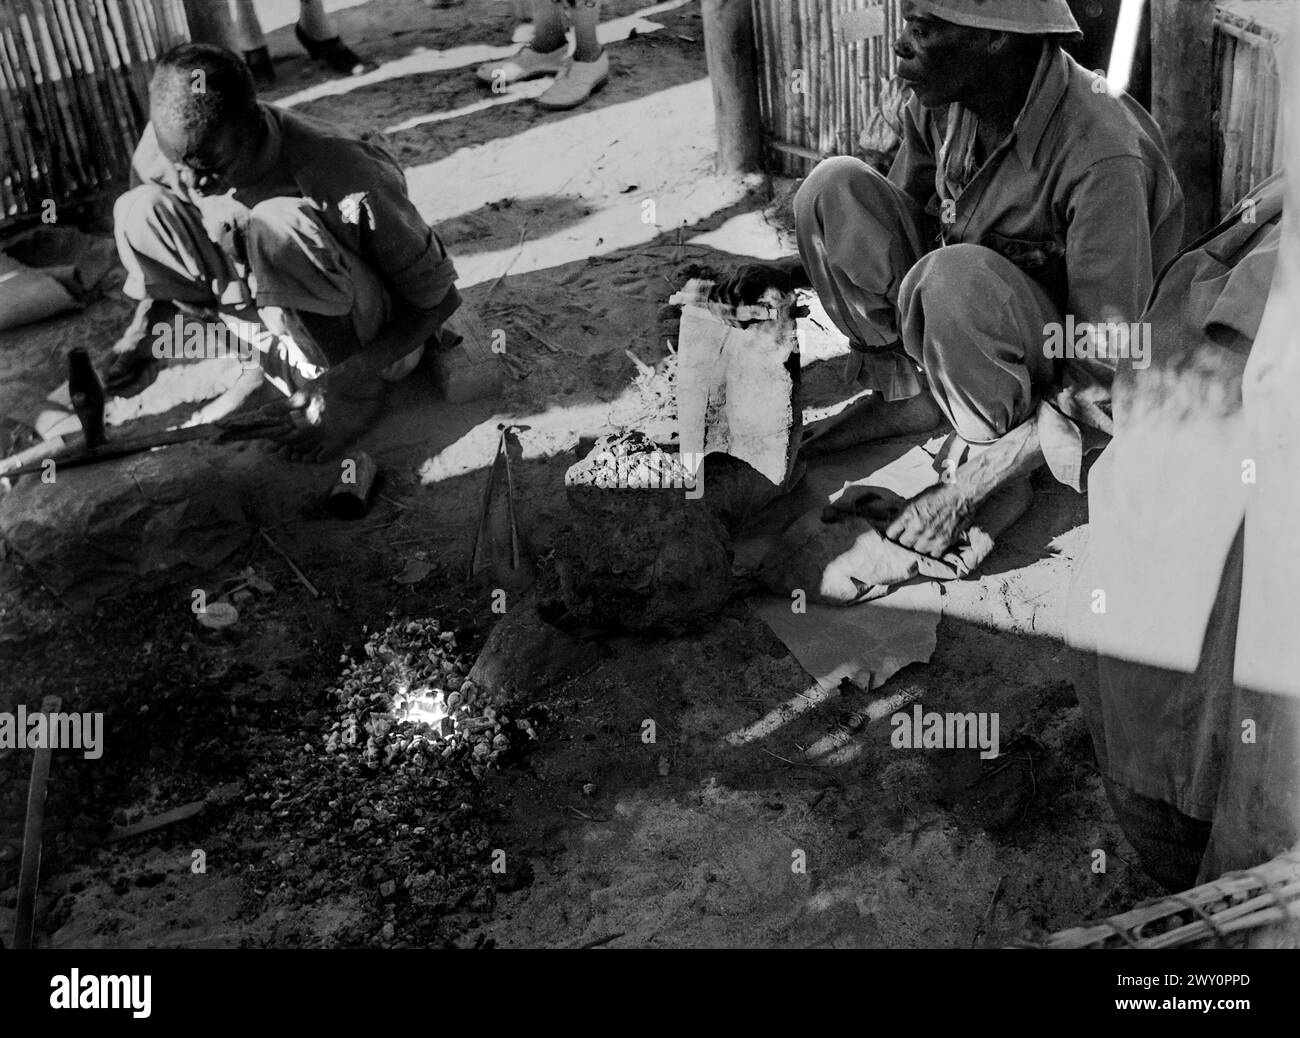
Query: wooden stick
{"points": [[159, 821], [70, 451], [296, 571], [988, 912], [530, 330], [29, 873], [519, 248], [599, 941]]}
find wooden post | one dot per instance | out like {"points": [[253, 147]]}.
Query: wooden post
{"points": [[1182, 101], [733, 70]]}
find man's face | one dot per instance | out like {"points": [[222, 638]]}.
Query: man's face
{"points": [[941, 62], [208, 164]]}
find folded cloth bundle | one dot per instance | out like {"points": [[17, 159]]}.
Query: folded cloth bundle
{"points": [[839, 555], [48, 271], [28, 295]]}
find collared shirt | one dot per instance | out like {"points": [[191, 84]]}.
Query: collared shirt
{"points": [[1080, 195], [357, 186]]}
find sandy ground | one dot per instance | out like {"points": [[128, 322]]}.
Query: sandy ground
{"points": [[687, 842]]}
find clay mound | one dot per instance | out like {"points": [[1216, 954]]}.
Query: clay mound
{"points": [[644, 560]]}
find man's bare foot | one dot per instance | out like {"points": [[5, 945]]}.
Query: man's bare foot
{"points": [[134, 367], [870, 419], [249, 382], [342, 421]]}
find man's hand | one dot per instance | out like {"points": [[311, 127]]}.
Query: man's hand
{"points": [[328, 413], [932, 521]]}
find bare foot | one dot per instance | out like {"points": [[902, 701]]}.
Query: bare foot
{"points": [[344, 420], [249, 382]]}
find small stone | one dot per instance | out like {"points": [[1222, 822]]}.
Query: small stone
{"points": [[387, 889]]}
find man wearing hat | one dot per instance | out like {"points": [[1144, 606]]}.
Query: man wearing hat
{"points": [[1027, 206]]}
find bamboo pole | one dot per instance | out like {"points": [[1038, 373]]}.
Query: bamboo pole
{"points": [[95, 86], [24, 164], [776, 78], [1238, 96], [1266, 123], [100, 38], [138, 61], [798, 111], [1224, 47], [74, 94], [39, 120], [82, 122]]}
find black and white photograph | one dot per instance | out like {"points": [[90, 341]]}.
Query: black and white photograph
{"points": [[697, 475]]}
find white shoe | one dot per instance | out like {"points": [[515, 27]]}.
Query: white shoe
{"points": [[525, 63], [578, 81]]}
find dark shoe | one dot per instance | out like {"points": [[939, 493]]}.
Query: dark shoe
{"points": [[333, 52], [259, 63]]}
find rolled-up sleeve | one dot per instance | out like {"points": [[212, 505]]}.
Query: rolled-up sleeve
{"points": [[372, 213], [1110, 266]]}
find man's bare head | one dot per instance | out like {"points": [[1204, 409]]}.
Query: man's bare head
{"points": [[203, 105]]}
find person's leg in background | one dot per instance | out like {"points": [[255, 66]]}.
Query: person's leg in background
{"points": [[586, 19], [251, 41], [545, 56], [315, 31], [588, 69], [578, 75], [548, 27]]}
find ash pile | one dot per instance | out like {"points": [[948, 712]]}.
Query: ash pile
{"points": [[393, 804]]}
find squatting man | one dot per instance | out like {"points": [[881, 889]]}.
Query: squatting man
{"points": [[264, 219], [1025, 196]]}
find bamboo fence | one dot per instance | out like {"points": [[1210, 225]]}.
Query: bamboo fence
{"points": [[821, 68], [74, 84], [1246, 36]]}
